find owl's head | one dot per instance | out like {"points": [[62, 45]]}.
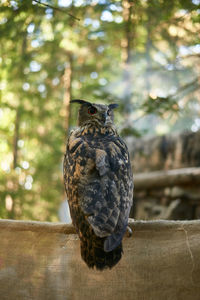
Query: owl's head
{"points": [[95, 113]]}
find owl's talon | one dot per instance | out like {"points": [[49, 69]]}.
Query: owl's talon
{"points": [[129, 232]]}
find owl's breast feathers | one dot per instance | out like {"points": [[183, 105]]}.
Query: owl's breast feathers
{"points": [[99, 183]]}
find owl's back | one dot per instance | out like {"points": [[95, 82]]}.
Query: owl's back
{"points": [[98, 180]]}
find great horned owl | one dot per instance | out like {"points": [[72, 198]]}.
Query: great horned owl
{"points": [[99, 185]]}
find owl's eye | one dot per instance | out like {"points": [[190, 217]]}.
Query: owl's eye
{"points": [[92, 110]]}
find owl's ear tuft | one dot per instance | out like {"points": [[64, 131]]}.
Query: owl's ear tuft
{"points": [[113, 105], [80, 101]]}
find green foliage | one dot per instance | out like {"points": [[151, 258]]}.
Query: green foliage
{"points": [[156, 85]]}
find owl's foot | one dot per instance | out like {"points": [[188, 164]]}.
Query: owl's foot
{"points": [[129, 232]]}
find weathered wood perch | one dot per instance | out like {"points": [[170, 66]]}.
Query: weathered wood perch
{"points": [[42, 261], [166, 178]]}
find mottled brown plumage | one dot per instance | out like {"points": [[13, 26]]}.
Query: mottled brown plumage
{"points": [[99, 185]]}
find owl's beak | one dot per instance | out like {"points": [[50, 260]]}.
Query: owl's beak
{"points": [[106, 118]]}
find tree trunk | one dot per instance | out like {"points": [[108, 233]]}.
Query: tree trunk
{"points": [[12, 213], [127, 41], [68, 91], [16, 138], [66, 100], [148, 49], [127, 46]]}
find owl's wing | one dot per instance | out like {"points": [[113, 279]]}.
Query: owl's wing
{"points": [[104, 180], [120, 173]]}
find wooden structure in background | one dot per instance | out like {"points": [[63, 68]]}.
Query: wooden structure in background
{"points": [[167, 176], [42, 261], [173, 151], [167, 194]]}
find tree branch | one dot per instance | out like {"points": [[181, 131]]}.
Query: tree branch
{"points": [[57, 8]]}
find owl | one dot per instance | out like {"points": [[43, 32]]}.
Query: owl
{"points": [[99, 184]]}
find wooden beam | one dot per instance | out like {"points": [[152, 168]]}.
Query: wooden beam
{"points": [[50, 227], [160, 179]]}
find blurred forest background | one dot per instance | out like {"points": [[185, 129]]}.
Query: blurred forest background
{"points": [[141, 54]]}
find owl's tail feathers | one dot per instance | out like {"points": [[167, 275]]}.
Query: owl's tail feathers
{"points": [[92, 252]]}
